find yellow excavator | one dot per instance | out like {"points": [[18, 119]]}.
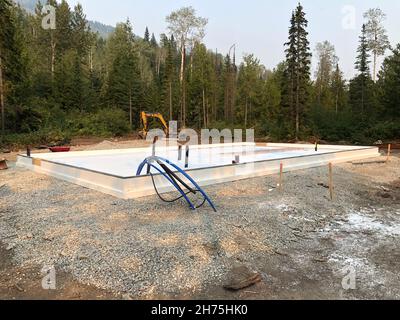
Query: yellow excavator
{"points": [[144, 120]]}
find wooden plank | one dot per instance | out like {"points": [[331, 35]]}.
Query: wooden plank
{"points": [[331, 180], [389, 153]]}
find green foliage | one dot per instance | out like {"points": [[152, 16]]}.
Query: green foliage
{"points": [[103, 123], [69, 82], [389, 86], [297, 74]]}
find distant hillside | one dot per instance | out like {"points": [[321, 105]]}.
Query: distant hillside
{"points": [[103, 29]]}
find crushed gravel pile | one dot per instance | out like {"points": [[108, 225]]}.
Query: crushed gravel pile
{"points": [[146, 248]]}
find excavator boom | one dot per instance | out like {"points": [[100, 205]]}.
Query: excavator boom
{"points": [[144, 118]]}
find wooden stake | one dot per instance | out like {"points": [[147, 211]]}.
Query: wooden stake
{"points": [[331, 180], [281, 177], [389, 153]]}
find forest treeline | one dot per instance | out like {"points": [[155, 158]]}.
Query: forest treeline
{"points": [[69, 81]]}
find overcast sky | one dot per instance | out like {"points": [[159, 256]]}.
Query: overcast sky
{"points": [[255, 26]]}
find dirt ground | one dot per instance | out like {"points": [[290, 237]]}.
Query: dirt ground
{"points": [[301, 243]]}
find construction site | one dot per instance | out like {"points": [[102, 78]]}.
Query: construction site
{"points": [[290, 222], [175, 152]]}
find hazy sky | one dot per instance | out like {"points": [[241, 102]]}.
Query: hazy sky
{"points": [[255, 26]]}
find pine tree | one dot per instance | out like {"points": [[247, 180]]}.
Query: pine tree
{"points": [[362, 62], [360, 85], [80, 32], [153, 41], [6, 36], [169, 80], [124, 89], [248, 83], [78, 91], [199, 87], [12, 65], [338, 88], [229, 75], [298, 61], [146, 37], [389, 84]]}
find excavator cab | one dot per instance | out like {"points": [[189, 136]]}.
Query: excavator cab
{"points": [[144, 120]]}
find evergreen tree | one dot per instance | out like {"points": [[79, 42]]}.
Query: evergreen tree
{"points": [[124, 86], [169, 80], [338, 89], [248, 83], [47, 76], [12, 64], [146, 37], [80, 32], [6, 36], [229, 77], [360, 86], [298, 61], [153, 41], [389, 84], [362, 62], [199, 87]]}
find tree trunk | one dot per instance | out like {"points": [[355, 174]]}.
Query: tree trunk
{"points": [[245, 115], [184, 104], [158, 63], [233, 101], [53, 56], [298, 106], [2, 97], [214, 104], [191, 65], [170, 101], [208, 112], [362, 96], [91, 58], [204, 109], [130, 110], [182, 79], [375, 60], [337, 101]]}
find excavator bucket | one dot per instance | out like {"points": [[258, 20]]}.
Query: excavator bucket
{"points": [[3, 164]]}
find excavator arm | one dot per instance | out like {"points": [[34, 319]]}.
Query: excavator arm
{"points": [[144, 118]]}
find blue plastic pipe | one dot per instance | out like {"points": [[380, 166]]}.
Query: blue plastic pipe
{"points": [[149, 161]]}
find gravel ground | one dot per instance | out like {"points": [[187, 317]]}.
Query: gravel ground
{"points": [[298, 239]]}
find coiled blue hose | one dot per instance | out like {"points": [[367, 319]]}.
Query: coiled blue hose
{"points": [[172, 178]]}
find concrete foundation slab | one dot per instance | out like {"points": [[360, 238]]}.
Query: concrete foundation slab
{"points": [[113, 171]]}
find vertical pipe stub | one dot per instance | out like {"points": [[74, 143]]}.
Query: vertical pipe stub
{"points": [[180, 153], [153, 152], [187, 157]]}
